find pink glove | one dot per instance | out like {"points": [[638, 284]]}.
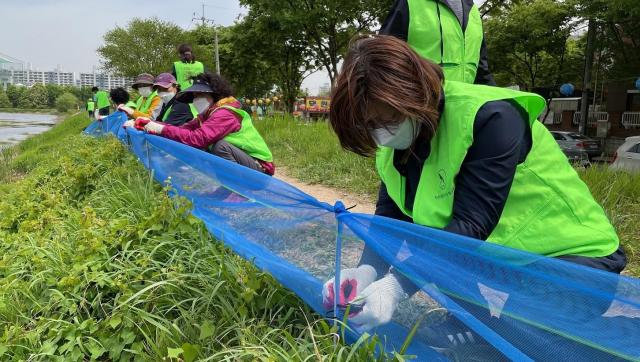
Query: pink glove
{"points": [[129, 123], [140, 123], [352, 282]]}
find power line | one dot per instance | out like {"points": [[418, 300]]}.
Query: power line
{"points": [[204, 21]]}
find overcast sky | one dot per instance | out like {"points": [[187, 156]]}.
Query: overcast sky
{"points": [[48, 33]]}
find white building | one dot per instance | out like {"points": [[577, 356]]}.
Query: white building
{"points": [[15, 71]]}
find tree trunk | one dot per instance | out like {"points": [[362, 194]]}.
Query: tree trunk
{"points": [[586, 86]]}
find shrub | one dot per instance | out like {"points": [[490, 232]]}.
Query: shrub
{"points": [[66, 102]]}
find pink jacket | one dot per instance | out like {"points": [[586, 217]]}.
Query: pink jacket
{"points": [[208, 128]]}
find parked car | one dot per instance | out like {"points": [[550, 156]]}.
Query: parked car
{"points": [[627, 157], [575, 155], [571, 141]]}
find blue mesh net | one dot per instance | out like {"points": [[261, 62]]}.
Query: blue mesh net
{"points": [[469, 300]]}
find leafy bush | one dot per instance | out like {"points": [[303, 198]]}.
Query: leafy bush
{"points": [[35, 97], [4, 100], [66, 102]]}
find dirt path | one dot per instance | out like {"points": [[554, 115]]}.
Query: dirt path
{"points": [[329, 195]]}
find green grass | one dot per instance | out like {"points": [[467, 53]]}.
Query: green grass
{"points": [[311, 153], [98, 262]]}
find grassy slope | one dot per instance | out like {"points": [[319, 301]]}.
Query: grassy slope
{"points": [[312, 153], [98, 262]]}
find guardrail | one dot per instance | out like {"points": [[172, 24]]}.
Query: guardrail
{"points": [[592, 118], [631, 119]]}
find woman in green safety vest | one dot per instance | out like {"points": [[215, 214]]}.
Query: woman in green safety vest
{"points": [[447, 32], [102, 102], [173, 111], [221, 127], [187, 68], [149, 104], [469, 159]]}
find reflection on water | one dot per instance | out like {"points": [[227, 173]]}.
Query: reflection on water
{"points": [[16, 127]]}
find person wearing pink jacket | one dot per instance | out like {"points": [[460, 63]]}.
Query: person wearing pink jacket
{"points": [[221, 127]]}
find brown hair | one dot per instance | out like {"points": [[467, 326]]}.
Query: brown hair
{"points": [[384, 70]]}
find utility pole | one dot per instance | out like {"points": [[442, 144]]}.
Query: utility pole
{"points": [[584, 106], [205, 20]]}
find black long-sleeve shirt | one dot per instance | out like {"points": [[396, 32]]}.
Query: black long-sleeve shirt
{"points": [[397, 24], [179, 114]]}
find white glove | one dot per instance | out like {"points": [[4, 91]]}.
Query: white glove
{"points": [[96, 115], [154, 127], [125, 109], [379, 300], [352, 281], [128, 123]]}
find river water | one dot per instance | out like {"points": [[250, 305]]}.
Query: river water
{"points": [[16, 127]]}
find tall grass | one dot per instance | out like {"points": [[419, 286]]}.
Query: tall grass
{"points": [[311, 152], [98, 262]]}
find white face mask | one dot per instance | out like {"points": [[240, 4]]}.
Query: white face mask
{"points": [[201, 104], [166, 96], [144, 91], [399, 137]]}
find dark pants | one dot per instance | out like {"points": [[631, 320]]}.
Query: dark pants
{"points": [[232, 153], [90, 114], [103, 111]]}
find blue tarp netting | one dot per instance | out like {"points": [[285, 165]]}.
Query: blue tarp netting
{"points": [[491, 302]]}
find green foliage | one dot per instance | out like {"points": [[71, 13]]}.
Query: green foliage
{"points": [[99, 263], [34, 98], [15, 94], [66, 102], [619, 194], [143, 46], [326, 25], [5, 102], [528, 42]]}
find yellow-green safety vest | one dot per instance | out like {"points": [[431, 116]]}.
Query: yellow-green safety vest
{"points": [[436, 34], [143, 104], [102, 99], [248, 138], [549, 210], [185, 71]]}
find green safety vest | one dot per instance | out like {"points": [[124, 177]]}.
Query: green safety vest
{"points": [[549, 210], [132, 105], [184, 72], [102, 99], [143, 104], [248, 138], [436, 34], [91, 106], [193, 109]]}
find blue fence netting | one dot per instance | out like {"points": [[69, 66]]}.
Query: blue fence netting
{"points": [[505, 304]]}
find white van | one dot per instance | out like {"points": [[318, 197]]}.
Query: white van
{"points": [[627, 157]]}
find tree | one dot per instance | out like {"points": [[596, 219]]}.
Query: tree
{"points": [[66, 101], [143, 46], [527, 42], [34, 98], [328, 25], [53, 92], [15, 93], [4, 100]]}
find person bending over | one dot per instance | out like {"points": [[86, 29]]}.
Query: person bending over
{"points": [[221, 126]]}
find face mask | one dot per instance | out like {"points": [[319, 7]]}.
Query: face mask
{"points": [[201, 104], [399, 137], [166, 96], [144, 91]]}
